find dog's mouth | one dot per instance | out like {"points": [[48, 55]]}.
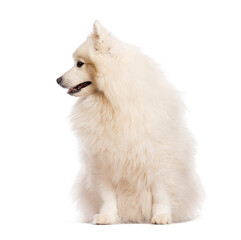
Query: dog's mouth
{"points": [[78, 87]]}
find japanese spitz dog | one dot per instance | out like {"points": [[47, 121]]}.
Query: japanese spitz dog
{"points": [[137, 151]]}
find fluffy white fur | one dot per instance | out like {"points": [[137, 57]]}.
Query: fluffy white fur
{"points": [[137, 151]]}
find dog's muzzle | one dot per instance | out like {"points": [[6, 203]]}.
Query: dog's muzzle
{"points": [[74, 89]]}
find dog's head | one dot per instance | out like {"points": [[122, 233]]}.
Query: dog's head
{"points": [[89, 58]]}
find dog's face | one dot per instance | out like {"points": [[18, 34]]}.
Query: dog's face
{"points": [[81, 79]]}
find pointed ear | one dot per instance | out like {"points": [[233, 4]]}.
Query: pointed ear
{"points": [[98, 30], [101, 38]]}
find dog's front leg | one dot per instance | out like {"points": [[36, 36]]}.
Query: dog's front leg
{"points": [[161, 209], [108, 211]]}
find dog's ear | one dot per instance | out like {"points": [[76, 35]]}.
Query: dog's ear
{"points": [[100, 36], [98, 30]]}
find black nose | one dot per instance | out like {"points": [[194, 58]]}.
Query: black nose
{"points": [[59, 80]]}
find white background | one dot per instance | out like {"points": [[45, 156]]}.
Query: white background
{"points": [[196, 43]]}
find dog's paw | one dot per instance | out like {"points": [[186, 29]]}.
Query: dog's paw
{"points": [[162, 219], [103, 219]]}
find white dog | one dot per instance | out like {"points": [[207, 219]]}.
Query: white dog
{"points": [[137, 151]]}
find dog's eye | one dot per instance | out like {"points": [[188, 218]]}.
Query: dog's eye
{"points": [[79, 64]]}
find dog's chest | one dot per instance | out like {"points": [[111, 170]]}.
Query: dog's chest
{"points": [[114, 140]]}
